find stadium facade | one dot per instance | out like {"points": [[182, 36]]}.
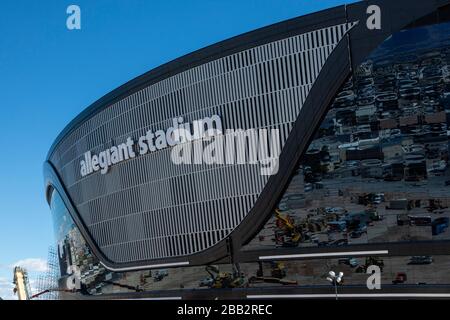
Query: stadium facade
{"points": [[349, 110]]}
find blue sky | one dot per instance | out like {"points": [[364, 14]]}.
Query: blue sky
{"points": [[49, 74]]}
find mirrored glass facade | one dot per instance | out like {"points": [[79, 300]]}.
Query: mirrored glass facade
{"points": [[83, 276], [377, 168], [361, 169]]}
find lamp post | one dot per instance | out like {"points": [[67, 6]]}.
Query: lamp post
{"points": [[335, 280]]}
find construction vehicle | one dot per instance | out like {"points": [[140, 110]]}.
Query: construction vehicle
{"points": [[351, 262], [370, 261], [368, 199], [314, 226], [221, 280], [160, 275], [289, 234], [278, 270], [373, 214]]}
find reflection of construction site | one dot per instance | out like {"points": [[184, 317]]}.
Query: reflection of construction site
{"points": [[77, 260], [398, 271], [359, 218], [377, 170]]}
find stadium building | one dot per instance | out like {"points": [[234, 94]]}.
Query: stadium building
{"points": [[260, 163]]}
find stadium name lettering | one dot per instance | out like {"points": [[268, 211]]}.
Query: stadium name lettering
{"points": [[180, 132]]}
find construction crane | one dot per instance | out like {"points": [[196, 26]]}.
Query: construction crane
{"points": [[289, 230], [46, 282], [225, 279], [22, 284]]}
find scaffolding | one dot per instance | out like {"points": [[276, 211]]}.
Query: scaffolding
{"points": [[47, 282]]}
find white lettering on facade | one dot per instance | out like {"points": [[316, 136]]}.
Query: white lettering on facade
{"points": [[150, 142]]}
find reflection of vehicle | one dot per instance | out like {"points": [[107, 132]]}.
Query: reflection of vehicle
{"points": [[420, 220], [442, 220], [334, 210], [292, 202], [402, 220], [419, 260], [337, 226], [400, 278], [399, 204], [206, 282], [308, 187], [374, 215], [225, 279], [357, 234], [371, 198], [370, 261], [438, 167], [160, 274], [361, 228], [290, 235], [352, 262], [435, 204], [438, 229], [377, 200], [278, 270], [357, 221], [439, 225]]}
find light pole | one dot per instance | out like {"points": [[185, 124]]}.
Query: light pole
{"points": [[335, 280]]}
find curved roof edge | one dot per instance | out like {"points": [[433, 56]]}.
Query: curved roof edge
{"points": [[209, 53]]}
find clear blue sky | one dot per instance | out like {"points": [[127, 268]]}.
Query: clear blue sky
{"points": [[49, 74]]}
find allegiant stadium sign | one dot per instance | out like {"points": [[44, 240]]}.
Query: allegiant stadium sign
{"points": [[180, 132]]}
